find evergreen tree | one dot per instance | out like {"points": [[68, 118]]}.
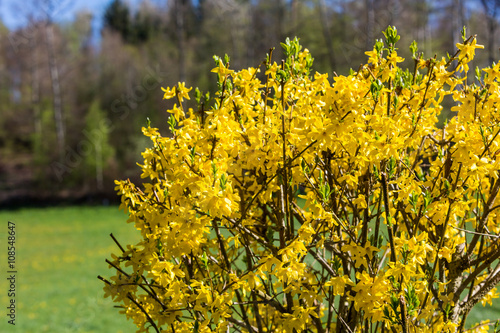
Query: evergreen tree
{"points": [[117, 18]]}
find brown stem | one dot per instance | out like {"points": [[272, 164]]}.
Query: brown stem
{"points": [[117, 243], [151, 321], [441, 242], [484, 217], [228, 266], [390, 229]]}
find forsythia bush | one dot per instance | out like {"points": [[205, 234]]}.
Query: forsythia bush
{"points": [[302, 203]]}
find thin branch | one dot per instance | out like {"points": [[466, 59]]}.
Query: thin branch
{"points": [[151, 321], [440, 245], [117, 243], [390, 229], [476, 233], [484, 217]]}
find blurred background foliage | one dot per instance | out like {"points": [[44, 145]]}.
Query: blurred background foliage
{"points": [[73, 99]]}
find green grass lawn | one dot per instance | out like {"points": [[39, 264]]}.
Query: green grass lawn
{"points": [[480, 313], [60, 252]]}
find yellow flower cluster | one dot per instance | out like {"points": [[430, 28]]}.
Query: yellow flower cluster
{"points": [[299, 201]]}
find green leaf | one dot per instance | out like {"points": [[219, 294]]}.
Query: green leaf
{"points": [[214, 169], [379, 45], [197, 95], [478, 74], [172, 123], [223, 181], [414, 49]]}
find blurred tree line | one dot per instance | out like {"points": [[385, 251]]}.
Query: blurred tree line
{"points": [[71, 108]]}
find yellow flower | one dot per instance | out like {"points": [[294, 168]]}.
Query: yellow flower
{"points": [[222, 70], [493, 73], [182, 91], [373, 56], [169, 93], [467, 50], [445, 253], [338, 284], [177, 112], [393, 59], [360, 202]]}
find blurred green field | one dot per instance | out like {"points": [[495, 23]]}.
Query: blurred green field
{"points": [[60, 252]]}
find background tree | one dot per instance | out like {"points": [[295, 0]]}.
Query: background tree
{"points": [[491, 9], [97, 131], [118, 18], [144, 46]]}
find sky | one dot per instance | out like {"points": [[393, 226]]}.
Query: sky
{"points": [[13, 15]]}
